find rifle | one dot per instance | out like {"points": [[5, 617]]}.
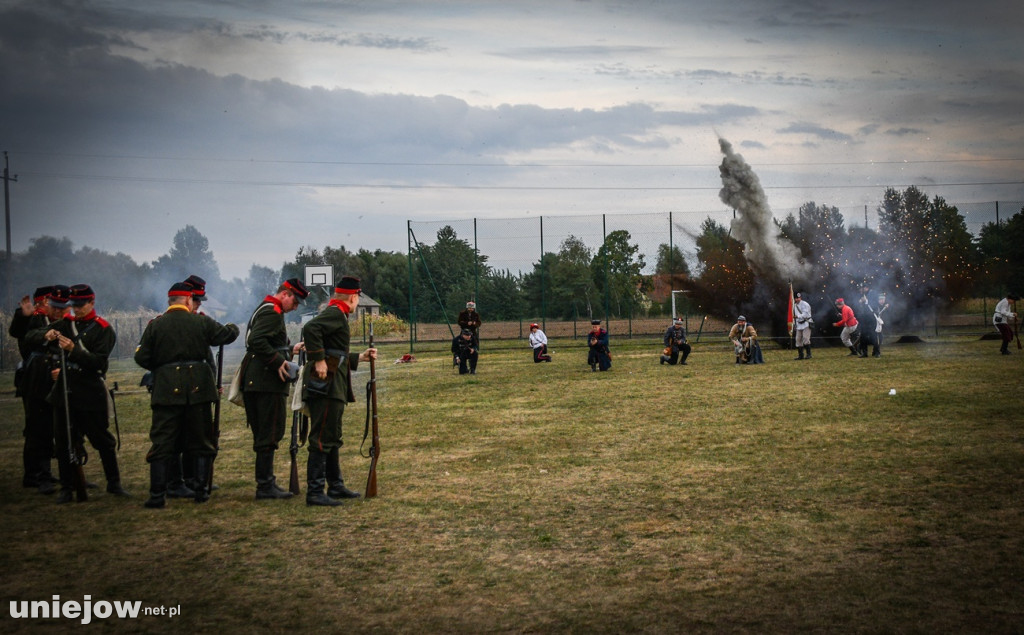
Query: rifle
{"points": [[293, 449], [371, 415], [113, 404], [76, 458], [216, 418], [1016, 327]]}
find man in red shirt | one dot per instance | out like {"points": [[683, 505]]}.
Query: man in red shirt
{"points": [[849, 323]]}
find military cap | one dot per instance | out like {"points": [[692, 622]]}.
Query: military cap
{"points": [[81, 294], [198, 287], [58, 297], [296, 287], [42, 293], [180, 289], [349, 285]]}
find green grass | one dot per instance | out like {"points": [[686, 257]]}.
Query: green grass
{"points": [[792, 496]]}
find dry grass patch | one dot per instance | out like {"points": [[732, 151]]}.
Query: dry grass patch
{"points": [[547, 498]]}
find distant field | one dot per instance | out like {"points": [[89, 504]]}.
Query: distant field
{"points": [[787, 497]]}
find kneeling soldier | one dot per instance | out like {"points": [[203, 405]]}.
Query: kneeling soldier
{"points": [[175, 347]]}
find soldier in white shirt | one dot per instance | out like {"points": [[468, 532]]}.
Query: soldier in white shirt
{"points": [[1003, 317], [802, 321]]}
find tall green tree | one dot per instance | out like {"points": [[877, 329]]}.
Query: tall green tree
{"points": [[189, 255], [616, 270], [725, 277], [999, 245], [928, 243], [454, 269], [670, 261]]}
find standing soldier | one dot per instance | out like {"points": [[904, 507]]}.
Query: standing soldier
{"points": [[328, 387], [803, 321], [86, 340], [470, 319], [181, 478], [32, 383], [175, 347], [1002, 317], [265, 380]]}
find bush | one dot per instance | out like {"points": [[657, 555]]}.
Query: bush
{"points": [[386, 324]]}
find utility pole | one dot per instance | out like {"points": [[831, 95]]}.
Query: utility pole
{"points": [[7, 201], [7, 222]]}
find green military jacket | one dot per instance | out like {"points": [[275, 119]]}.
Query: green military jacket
{"points": [[324, 336], [267, 347], [87, 363], [176, 347]]}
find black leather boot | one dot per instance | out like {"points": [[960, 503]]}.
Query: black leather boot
{"points": [[112, 473], [316, 475], [266, 482], [808, 349], [176, 486], [335, 483], [202, 466], [157, 485], [46, 485]]}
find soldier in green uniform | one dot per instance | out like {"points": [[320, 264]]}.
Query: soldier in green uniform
{"points": [[265, 380], [87, 341], [32, 384], [181, 478], [175, 347], [327, 383]]}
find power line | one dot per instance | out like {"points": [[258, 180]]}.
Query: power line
{"points": [[136, 157], [398, 186]]}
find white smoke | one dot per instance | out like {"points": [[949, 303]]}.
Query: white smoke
{"points": [[768, 255]]}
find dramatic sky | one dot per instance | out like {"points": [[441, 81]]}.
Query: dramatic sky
{"points": [[272, 124]]}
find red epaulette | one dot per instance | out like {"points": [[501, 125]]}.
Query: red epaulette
{"points": [[277, 309], [103, 323]]}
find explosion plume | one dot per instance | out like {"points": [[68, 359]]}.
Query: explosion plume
{"points": [[769, 256]]}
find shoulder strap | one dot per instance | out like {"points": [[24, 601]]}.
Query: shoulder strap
{"points": [[248, 326]]}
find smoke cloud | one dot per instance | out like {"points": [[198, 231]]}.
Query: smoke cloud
{"points": [[769, 256]]}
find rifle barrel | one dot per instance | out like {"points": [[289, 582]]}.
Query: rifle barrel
{"points": [[371, 479], [78, 474]]}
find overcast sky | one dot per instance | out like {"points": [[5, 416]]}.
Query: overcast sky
{"points": [[273, 124]]}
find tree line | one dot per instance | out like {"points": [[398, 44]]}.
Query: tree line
{"points": [[921, 251]]}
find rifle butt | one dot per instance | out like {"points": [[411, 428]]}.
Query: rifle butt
{"points": [[293, 477], [371, 480], [81, 495]]}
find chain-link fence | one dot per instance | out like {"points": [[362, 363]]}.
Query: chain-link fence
{"points": [[563, 271]]}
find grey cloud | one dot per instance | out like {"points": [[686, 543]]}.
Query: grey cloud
{"points": [[66, 91], [815, 131], [363, 40], [571, 52], [902, 132]]}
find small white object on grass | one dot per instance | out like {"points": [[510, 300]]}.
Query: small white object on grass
{"points": [[892, 391]]}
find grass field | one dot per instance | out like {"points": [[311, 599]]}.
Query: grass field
{"points": [[788, 497]]}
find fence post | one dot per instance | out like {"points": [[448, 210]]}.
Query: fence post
{"points": [[543, 306]]}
